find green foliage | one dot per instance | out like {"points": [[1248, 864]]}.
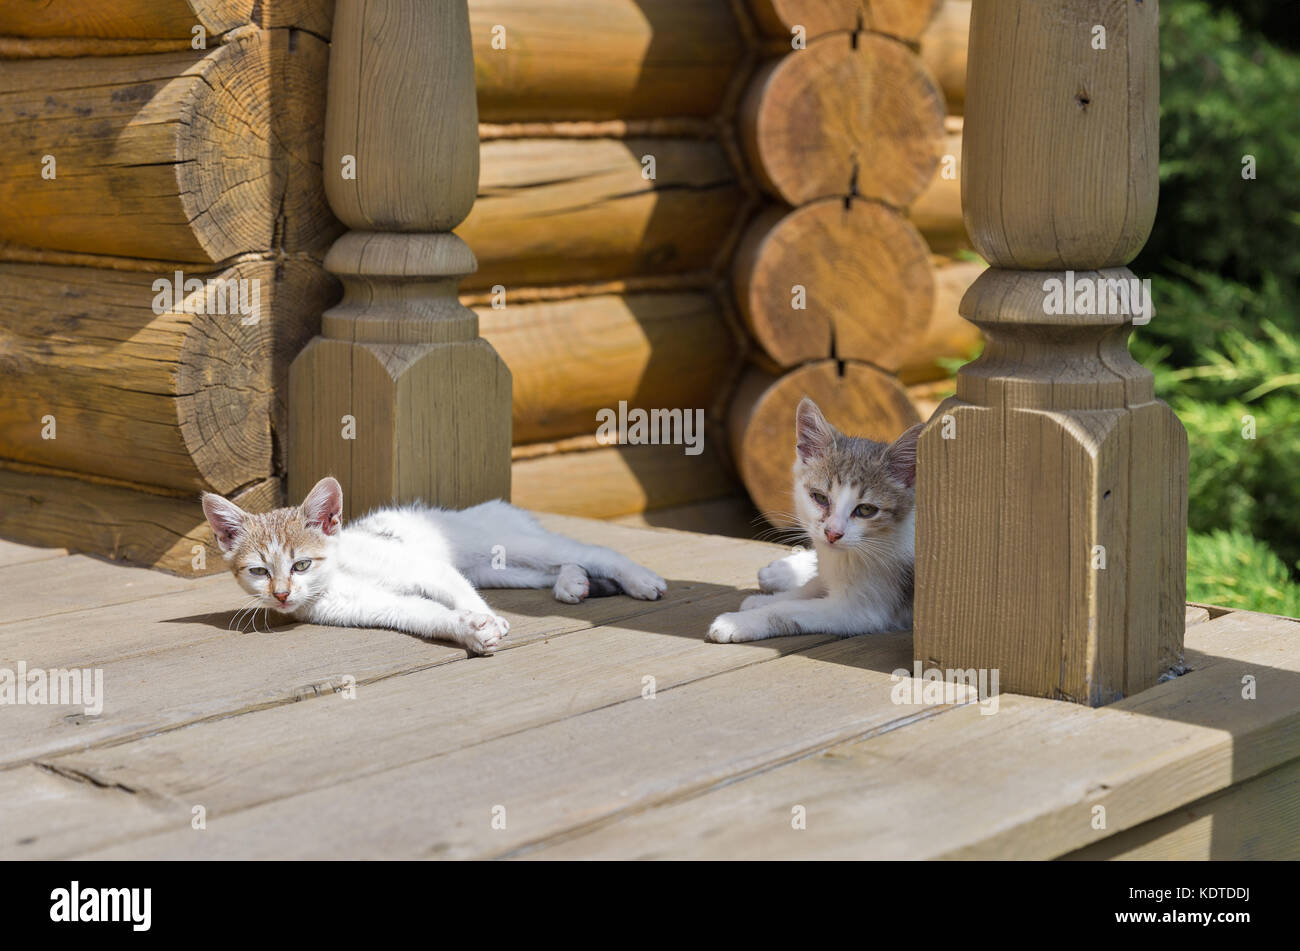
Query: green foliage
{"points": [[1242, 484], [1224, 259], [1225, 93], [1236, 571]]}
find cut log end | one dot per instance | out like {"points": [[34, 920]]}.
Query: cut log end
{"points": [[905, 19], [827, 280], [849, 115], [194, 155]]}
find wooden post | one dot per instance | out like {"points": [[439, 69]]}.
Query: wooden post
{"points": [[1052, 489], [399, 397]]}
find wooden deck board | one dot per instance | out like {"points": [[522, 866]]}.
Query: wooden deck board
{"points": [[11, 553], [556, 730], [1039, 768], [170, 661], [71, 583]]}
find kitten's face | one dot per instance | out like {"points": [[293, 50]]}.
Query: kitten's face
{"points": [[852, 494], [283, 557]]}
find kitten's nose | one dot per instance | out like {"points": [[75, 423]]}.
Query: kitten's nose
{"points": [[832, 535], [281, 596]]}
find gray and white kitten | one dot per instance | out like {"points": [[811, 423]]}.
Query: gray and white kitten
{"points": [[855, 499], [412, 568]]}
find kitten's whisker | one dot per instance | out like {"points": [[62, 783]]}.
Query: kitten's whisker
{"points": [[238, 618]]}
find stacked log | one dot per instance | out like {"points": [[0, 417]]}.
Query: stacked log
{"points": [[937, 211], [162, 218], [607, 208], [844, 132]]}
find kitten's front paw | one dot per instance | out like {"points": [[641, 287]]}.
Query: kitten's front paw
{"points": [[481, 633], [642, 583], [572, 587], [778, 576], [730, 629], [756, 601]]}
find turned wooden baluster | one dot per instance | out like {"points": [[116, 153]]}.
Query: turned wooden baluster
{"points": [[399, 397], [1052, 489]]}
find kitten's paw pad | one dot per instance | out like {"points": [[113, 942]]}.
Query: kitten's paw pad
{"points": [[778, 576], [642, 583], [572, 590], [727, 629], [755, 601], [481, 633]]}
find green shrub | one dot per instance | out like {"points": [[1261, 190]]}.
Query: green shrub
{"points": [[1236, 571], [1226, 93]]}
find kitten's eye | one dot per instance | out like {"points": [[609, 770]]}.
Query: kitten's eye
{"points": [[302, 564], [258, 570], [865, 510], [819, 499]]}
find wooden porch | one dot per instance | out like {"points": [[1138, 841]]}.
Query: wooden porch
{"points": [[554, 747]]}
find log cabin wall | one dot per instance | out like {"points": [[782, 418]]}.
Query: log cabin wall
{"points": [[146, 139], [847, 280], [778, 164], [610, 197], [600, 280]]}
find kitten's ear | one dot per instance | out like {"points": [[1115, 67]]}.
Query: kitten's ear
{"points": [[226, 519], [813, 434], [323, 507], [901, 456]]}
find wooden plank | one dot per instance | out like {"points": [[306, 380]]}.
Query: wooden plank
{"points": [[734, 517], [39, 507], [1257, 820], [41, 589], [603, 59], [1021, 783], [240, 762], [13, 553], [172, 19], [586, 768], [552, 211], [620, 480], [170, 660], [570, 359]]}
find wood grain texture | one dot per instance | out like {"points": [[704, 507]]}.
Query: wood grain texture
{"points": [[1057, 460], [192, 156], [1021, 783], [866, 275], [621, 480], [949, 335], [165, 396], [781, 707], [42, 507], [603, 59], [853, 114], [905, 19], [1069, 177], [857, 399], [936, 213], [193, 635], [160, 19], [943, 50], [410, 176], [570, 359], [400, 398], [561, 210], [590, 767], [1258, 820]]}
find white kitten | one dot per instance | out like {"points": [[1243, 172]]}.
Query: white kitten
{"points": [[855, 499], [412, 568]]}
